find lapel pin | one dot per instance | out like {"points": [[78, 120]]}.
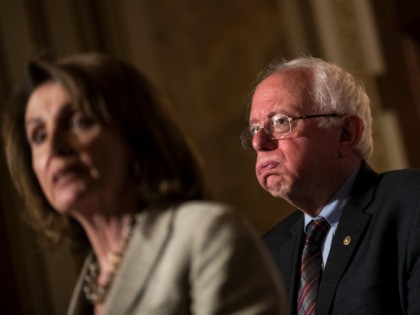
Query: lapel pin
{"points": [[347, 240]]}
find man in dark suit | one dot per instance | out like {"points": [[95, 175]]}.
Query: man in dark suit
{"points": [[310, 124]]}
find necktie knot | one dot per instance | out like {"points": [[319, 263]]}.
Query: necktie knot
{"points": [[317, 230]]}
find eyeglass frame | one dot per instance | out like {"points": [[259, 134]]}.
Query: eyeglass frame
{"points": [[246, 140]]}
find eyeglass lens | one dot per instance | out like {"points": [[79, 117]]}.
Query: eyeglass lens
{"points": [[276, 128]]}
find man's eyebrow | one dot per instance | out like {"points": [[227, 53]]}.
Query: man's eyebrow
{"points": [[270, 115]]}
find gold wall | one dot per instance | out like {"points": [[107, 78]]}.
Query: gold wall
{"points": [[204, 56]]}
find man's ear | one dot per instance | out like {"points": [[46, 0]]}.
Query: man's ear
{"points": [[351, 132]]}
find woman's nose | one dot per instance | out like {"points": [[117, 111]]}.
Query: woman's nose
{"points": [[262, 142], [61, 143]]}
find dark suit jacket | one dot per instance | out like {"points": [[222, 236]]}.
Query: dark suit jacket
{"points": [[378, 272]]}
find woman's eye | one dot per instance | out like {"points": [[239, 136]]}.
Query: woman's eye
{"points": [[38, 137], [81, 121]]}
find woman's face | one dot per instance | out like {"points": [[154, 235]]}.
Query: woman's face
{"points": [[81, 165]]}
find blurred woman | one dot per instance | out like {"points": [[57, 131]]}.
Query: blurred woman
{"points": [[97, 156]]}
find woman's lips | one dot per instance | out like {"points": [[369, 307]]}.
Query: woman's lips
{"points": [[66, 174]]}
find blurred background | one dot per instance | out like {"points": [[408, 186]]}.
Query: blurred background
{"points": [[204, 55]]}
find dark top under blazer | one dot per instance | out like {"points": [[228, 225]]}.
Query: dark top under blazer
{"points": [[378, 272]]}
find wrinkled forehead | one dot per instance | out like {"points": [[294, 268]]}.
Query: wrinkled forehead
{"points": [[285, 93]]}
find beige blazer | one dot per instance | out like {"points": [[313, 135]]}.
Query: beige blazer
{"points": [[197, 258]]}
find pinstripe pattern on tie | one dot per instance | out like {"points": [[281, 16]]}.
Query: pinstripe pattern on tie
{"points": [[311, 267]]}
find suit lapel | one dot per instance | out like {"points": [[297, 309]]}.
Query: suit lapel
{"points": [[285, 248], [352, 224], [148, 241], [293, 268]]}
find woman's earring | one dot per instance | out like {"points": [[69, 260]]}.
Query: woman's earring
{"points": [[169, 186]]}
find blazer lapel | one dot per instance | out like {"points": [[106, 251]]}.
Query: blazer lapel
{"points": [[150, 237], [352, 224], [78, 303]]}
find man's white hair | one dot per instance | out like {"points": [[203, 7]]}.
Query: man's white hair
{"points": [[334, 90]]}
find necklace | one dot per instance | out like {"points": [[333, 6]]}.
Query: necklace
{"points": [[94, 291]]}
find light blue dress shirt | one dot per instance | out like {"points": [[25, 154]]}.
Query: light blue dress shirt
{"points": [[332, 213]]}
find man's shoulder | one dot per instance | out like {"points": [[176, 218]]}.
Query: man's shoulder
{"points": [[400, 181], [391, 196], [408, 173], [389, 183]]}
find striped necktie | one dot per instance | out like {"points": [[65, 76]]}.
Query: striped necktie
{"points": [[311, 267]]}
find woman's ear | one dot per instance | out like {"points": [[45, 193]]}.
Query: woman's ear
{"points": [[351, 132]]}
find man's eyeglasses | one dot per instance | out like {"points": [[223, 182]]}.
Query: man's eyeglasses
{"points": [[276, 127]]}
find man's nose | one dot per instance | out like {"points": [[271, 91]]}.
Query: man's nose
{"points": [[262, 142]]}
